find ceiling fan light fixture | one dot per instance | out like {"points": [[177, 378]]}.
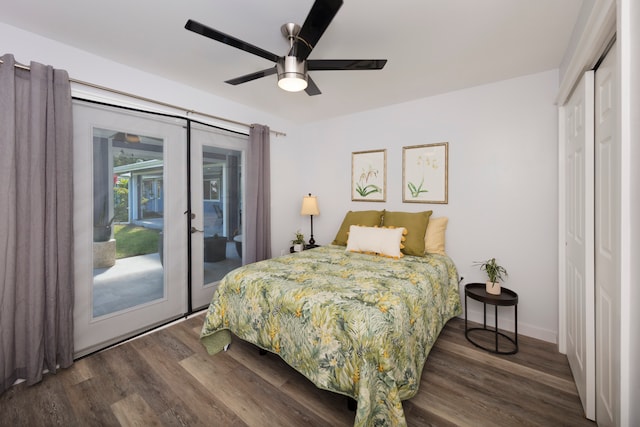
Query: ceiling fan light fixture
{"points": [[292, 75], [131, 138]]}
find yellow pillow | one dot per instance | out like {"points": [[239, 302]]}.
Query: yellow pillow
{"points": [[434, 239], [416, 225], [366, 218], [375, 240]]}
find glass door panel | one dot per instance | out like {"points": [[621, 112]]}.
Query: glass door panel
{"points": [[128, 220], [130, 180], [217, 196]]}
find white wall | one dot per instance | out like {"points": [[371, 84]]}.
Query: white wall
{"points": [[502, 182]]}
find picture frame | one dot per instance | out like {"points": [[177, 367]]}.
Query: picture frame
{"points": [[369, 176], [211, 189], [214, 189], [425, 173]]}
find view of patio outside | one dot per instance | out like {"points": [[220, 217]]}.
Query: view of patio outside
{"points": [[129, 221]]}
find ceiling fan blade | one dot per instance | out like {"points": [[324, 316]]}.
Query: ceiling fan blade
{"points": [[312, 89], [199, 28], [252, 76], [319, 18], [346, 64]]}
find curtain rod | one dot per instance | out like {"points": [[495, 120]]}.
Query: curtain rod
{"points": [[142, 98]]}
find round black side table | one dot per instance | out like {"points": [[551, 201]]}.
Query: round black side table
{"points": [[507, 297]]}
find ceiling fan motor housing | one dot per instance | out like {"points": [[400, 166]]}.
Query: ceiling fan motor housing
{"points": [[292, 72]]}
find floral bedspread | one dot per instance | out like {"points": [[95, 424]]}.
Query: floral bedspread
{"points": [[355, 324]]}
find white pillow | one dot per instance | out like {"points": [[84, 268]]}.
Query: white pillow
{"points": [[376, 240]]}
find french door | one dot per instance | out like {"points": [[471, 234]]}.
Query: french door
{"points": [[130, 200], [217, 160]]}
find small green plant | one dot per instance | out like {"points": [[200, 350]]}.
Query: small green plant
{"points": [[416, 191], [362, 186], [369, 189], [299, 240], [494, 271]]}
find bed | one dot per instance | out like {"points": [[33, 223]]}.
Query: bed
{"points": [[353, 323]]}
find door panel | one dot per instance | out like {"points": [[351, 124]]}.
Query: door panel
{"points": [[216, 207], [579, 239], [129, 201], [607, 253]]}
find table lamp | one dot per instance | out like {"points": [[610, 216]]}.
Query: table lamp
{"points": [[310, 207]]}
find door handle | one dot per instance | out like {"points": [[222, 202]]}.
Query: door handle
{"points": [[193, 230]]}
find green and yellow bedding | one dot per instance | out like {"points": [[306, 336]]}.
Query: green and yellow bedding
{"points": [[352, 323]]}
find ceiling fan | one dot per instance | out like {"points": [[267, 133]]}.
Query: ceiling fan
{"points": [[292, 68]]}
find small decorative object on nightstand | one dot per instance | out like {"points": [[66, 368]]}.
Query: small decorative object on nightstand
{"points": [[298, 242], [507, 297], [495, 273]]}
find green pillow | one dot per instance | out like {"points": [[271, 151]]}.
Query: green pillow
{"points": [[364, 218], [416, 225]]}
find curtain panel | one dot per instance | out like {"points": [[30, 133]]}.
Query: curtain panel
{"points": [[258, 195], [36, 222]]}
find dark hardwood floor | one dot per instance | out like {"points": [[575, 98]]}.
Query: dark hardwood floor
{"points": [[167, 379]]}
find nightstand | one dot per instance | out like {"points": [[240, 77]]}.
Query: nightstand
{"points": [[477, 291], [305, 248]]}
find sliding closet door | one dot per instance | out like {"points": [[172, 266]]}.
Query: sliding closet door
{"points": [[579, 239], [217, 200], [130, 223], [607, 243]]}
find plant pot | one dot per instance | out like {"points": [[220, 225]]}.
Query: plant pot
{"points": [[238, 240], [104, 254], [298, 247], [101, 233], [493, 288], [215, 249]]}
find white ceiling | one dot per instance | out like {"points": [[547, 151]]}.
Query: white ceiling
{"points": [[432, 46]]}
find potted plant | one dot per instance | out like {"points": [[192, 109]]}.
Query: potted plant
{"points": [[495, 272], [298, 242], [104, 247]]}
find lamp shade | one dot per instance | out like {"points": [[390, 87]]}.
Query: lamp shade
{"points": [[309, 205]]}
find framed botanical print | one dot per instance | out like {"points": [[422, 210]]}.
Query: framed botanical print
{"points": [[211, 189], [369, 176], [425, 173]]}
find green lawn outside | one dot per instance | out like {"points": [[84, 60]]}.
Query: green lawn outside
{"points": [[132, 240]]}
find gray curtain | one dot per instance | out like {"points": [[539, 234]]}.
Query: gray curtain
{"points": [[257, 212], [36, 222]]}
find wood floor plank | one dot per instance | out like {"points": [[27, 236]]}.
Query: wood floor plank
{"points": [[133, 411], [195, 405], [267, 366], [255, 401], [293, 384], [534, 353], [153, 372], [87, 404], [509, 366], [167, 378], [47, 406]]}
